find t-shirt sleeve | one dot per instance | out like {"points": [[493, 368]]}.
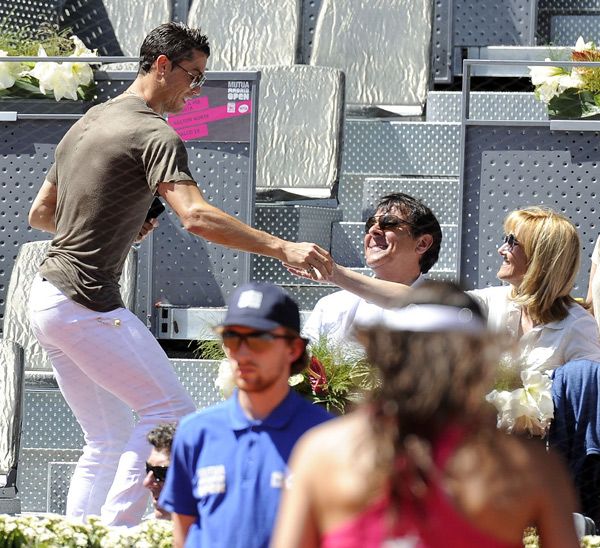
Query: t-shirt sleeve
{"points": [[596, 253], [51, 177], [582, 341], [177, 494], [165, 158]]}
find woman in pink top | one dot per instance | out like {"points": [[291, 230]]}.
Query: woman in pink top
{"points": [[422, 463]]}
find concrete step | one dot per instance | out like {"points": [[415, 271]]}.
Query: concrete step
{"points": [[401, 149], [445, 106], [347, 246], [360, 194]]}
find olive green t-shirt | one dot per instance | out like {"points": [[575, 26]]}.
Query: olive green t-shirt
{"points": [[107, 169]]}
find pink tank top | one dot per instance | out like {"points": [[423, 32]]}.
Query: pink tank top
{"points": [[443, 526]]}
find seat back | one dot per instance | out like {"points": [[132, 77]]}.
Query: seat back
{"points": [[11, 410], [248, 32], [16, 317], [300, 120], [383, 47], [115, 27]]}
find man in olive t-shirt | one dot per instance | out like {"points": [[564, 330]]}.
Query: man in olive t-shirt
{"points": [[107, 169]]}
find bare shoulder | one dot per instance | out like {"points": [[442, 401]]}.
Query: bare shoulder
{"points": [[334, 437], [332, 442]]}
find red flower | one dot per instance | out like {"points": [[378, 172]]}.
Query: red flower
{"points": [[317, 376]]}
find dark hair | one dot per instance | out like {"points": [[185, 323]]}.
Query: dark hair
{"points": [[161, 437], [175, 40], [422, 221], [301, 363]]}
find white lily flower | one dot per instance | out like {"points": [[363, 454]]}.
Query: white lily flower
{"points": [[225, 381], [544, 74], [530, 408], [82, 72], [56, 77], [295, 379], [548, 90], [81, 50], [572, 80], [9, 72], [582, 45]]}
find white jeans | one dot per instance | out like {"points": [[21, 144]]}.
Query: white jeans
{"points": [[107, 364]]}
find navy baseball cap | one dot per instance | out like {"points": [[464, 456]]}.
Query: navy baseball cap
{"points": [[262, 306]]}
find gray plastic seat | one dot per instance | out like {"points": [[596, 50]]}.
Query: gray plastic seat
{"points": [[248, 32], [300, 118], [383, 47], [115, 27], [11, 413], [16, 317]]}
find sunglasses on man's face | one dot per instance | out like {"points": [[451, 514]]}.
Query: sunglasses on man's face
{"points": [[159, 472], [388, 221], [511, 241], [256, 341], [197, 80]]}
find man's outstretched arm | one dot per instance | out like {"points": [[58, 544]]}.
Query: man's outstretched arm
{"points": [[214, 225]]}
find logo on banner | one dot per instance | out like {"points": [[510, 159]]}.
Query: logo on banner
{"points": [[243, 108], [238, 91]]}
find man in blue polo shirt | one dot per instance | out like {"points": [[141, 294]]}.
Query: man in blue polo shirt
{"points": [[229, 462]]}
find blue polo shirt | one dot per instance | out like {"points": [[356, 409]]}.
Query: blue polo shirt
{"points": [[229, 470]]}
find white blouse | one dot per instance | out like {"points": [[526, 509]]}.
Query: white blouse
{"points": [[546, 346]]}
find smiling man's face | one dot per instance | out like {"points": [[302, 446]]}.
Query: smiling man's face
{"points": [[393, 254]]}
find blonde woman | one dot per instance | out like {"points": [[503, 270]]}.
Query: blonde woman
{"points": [[422, 464], [540, 258]]}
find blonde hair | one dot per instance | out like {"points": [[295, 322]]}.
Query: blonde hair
{"points": [[552, 247]]}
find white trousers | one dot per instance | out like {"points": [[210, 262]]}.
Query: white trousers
{"points": [[106, 365]]}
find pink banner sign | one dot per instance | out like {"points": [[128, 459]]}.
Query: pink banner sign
{"points": [[192, 122]]}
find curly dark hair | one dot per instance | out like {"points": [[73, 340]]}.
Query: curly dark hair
{"points": [[422, 221], [175, 40], [161, 437], [429, 381]]}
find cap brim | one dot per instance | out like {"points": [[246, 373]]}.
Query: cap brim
{"points": [[253, 323]]}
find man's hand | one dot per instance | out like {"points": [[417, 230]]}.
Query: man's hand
{"points": [[146, 229], [309, 257]]}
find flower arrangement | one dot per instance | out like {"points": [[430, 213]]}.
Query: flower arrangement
{"points": [[532, 540], [70, 80], [571, 93], [523, 399], [334, 378], [57, 531]]}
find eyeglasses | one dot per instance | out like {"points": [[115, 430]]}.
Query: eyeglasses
{"points": [[197, 79], [511, 241], [159, 472], [385, 222], [256, 341]]}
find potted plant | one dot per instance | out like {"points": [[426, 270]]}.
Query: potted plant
{"points": [[27, 85], [574, 93]]}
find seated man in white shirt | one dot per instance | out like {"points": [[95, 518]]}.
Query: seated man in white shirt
{"points": [[402, 242]]}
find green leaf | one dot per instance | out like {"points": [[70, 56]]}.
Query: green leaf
{"points": [[573, 103]]}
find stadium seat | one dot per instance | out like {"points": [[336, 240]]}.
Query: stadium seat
{"points": [[383, 47], [248, 32], [301, 111]]}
